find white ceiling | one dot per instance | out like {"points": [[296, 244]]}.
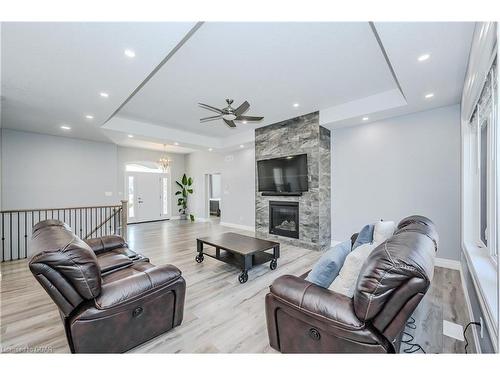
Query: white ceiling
{"points": [[52, 74], [443, 74], [272, 65]]}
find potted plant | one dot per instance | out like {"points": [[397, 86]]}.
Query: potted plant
{"points": [[186, 189]]}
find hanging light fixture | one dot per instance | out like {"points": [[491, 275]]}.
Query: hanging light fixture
{"points": [[164, 161]]}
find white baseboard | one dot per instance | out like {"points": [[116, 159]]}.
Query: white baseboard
{"points": [[448, 263], [201, 219], [238, 226], [175, 217]]}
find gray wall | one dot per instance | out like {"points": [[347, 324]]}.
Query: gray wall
{"points": [[237, 178], [398, 167], [43, 171]]}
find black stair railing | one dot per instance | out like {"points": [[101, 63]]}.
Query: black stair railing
{"points": [[86, 222]]}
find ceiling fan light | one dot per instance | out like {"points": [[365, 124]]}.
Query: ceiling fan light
{"points": [[229, 116]]}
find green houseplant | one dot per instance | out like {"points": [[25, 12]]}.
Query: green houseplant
{"points": [[185, 186]]}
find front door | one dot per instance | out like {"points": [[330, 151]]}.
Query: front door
{"points": [[148, 195]]}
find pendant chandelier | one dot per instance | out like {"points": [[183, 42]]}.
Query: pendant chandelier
{"points": [[164, 161]]}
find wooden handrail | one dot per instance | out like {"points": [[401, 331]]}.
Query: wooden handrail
{"points": [[60, 208]]}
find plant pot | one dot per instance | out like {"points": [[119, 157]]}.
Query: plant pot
{"points": [[183, 216]]}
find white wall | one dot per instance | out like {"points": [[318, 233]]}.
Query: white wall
{"points": [[237, 172], [130, 155], [398, 167], [43, 171]]}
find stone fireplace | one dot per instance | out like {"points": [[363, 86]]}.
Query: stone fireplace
{"points": [[284, 218], [302, 220]]}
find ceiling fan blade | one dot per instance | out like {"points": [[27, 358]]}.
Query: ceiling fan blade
{"points": [[211, 118], [242, 108], [210, 108], [249, 118], [231, 124]]}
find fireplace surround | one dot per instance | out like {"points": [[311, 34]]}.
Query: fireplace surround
{"points": [[299, 135]]}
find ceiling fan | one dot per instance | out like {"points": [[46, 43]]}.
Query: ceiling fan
{"points": [[229, 114]]}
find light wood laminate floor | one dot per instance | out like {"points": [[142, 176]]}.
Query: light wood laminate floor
{"points": [[220, 314]]}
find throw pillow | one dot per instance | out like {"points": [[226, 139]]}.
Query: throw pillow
{"points": [[383, 230], [365, 236], [346, 280], [328, 266]]}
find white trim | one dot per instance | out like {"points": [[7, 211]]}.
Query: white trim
{"points": [[238, 226], [200, 219], [469, 309], [448, 263], [485, 301], [175, 217]]}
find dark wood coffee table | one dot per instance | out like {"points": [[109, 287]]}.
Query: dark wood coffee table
{"points": [[242, 251]]}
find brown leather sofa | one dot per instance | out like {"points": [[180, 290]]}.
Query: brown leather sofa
{"points": [[110, 298], [305, 318]]}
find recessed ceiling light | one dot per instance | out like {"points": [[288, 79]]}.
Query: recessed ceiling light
{"points": [[295, 105], [429, 95], [241, 146], [66, 127], [104, 94], [90, 117], [176, 143], [210, 149], [244, 121], [424, 57], [129, 53], [130, 136], [365, 118]]}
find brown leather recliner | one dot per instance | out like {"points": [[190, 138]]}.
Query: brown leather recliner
{"points": [[305, 318], [109, 298]]}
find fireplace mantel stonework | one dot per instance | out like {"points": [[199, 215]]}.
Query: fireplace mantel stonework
{"points": [[300, 135]]}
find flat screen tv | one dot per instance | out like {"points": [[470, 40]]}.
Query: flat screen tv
{"points": [[283, 175]]}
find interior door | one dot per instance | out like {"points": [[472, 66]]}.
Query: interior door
{"points": [[146, 196]]}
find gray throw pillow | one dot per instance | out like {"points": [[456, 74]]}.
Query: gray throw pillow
{"points": [[365, 236], [328, 266]]}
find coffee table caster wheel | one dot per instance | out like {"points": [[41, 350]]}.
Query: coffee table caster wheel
{"points": [[273, 264], [199, 258], [243, 277]]}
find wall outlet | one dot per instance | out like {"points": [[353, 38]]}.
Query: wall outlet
{"points": [[481, 330], [108, 193]]}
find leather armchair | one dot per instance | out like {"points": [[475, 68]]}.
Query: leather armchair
{"points": [[110, 298], [305, 318]]}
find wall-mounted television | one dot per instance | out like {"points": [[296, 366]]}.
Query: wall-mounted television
{"points": [[287, 175]]}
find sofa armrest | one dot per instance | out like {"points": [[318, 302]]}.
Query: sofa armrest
{"points": [[316, 301], [106, 243], [136, 285]]}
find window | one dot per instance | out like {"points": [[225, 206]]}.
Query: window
{"points": [[130, 196], [482, 144], [483, 182], [143, 168], [164, 195]]}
